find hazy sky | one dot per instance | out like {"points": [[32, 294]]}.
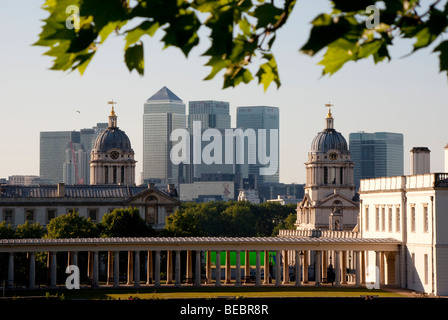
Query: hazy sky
{"points": [[407, 94]]}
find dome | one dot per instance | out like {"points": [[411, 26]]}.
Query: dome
{"points": [[327, 140], [112, 138]]}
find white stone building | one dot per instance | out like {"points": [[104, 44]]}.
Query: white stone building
{"points": [[329, 201], [414, 210]]}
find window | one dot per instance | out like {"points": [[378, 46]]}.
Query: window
{"points": [[122, 174], [106, 175], [383, 219], [413, 267], [51, 214], [93, 214], [413, 218], [29, 215], [367, 217], [397, 219], [325, 175], [390, 219], [426, 268], [377, 219], [8, 216], [425, 218], [114, 174]]}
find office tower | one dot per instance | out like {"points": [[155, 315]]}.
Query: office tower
{"points": [[163, 112], [63, 153], [211, 114], [53, 147], [378, 154], [259, 117]]}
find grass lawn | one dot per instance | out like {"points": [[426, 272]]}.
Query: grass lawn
{"points": [[208, 292]]}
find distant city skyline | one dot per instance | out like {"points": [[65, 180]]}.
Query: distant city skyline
{"points": [[390, 96]]}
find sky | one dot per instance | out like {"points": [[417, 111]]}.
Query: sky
{"points": [[407, 94]]}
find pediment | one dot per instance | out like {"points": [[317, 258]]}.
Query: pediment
{"points": [[162, 197], [334, 197]]}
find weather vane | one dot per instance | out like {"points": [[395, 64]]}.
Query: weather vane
{"points": [[112, 102], [328, 105]]}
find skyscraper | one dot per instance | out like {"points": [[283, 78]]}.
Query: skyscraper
{"points": [[378, 154], [163, 112], [210, 114], [63, 153], [259, 117]]}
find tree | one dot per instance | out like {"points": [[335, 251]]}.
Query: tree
{"points": [[124, 223], [29, 231], [71, 225], [6, 231], [241, 32]]}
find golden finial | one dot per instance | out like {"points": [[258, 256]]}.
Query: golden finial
{"points": [[112, 102], [329, 105]]}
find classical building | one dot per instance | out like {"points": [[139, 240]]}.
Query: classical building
{"points": [[112, 158], [329, 200], [112, 186]]}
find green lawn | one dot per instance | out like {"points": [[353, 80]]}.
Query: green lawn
{"points": [[188, 292]]}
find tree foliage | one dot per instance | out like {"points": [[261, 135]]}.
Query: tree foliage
{"points": [[241, 32], [124, 223], [71, 225], [230, 219]]}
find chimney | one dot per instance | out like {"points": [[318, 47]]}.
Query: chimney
{"points": [[151, 185], [61, 190], [446, 158], [420, 160]]}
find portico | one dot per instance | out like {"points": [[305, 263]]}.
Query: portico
{"points": [[296, 253]]}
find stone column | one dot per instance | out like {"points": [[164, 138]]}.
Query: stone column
{"points": [[11, 270], [318, 268], [218, 269], [136, 269], [305, 266], [324, 263], [257, 269], [32, 283], [110, 268], [357, 257], [53, 269], [157, 269], [189, 267], [95, 269], [169, 267], [378, 266], [75, 258], [116, 269], [197, 272], [130, 268], [344, 267], [177, 271], [298, 268], [149, 268], [285, 267], [337, 268], [247, 266], [238, 269], [208, 268], [278, 261], [266, 267], [227, 271]]}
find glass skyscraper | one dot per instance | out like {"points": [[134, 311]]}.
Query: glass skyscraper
{"points": [[259, 117], [378, 154], [163, 113]]}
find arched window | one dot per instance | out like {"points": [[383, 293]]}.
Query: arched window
{"points": [[151, 209]]}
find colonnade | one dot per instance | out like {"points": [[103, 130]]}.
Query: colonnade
{"points": [[341, 261]]}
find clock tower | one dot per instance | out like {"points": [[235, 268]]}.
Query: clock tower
{"points": [[112, 158], [329, 201]]}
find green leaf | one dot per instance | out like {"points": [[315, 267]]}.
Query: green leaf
{"points": [[267, 14], [134, 59], [236, 75], [145, 28], [432, 28], [268, 72], [443, 56], [337, 55]]}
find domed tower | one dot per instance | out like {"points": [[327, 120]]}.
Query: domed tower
{"points": [[329, 201], [112, 158]]}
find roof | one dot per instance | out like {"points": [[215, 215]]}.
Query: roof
{"points": [[329, 139], [164, 94], [72, 191]]}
